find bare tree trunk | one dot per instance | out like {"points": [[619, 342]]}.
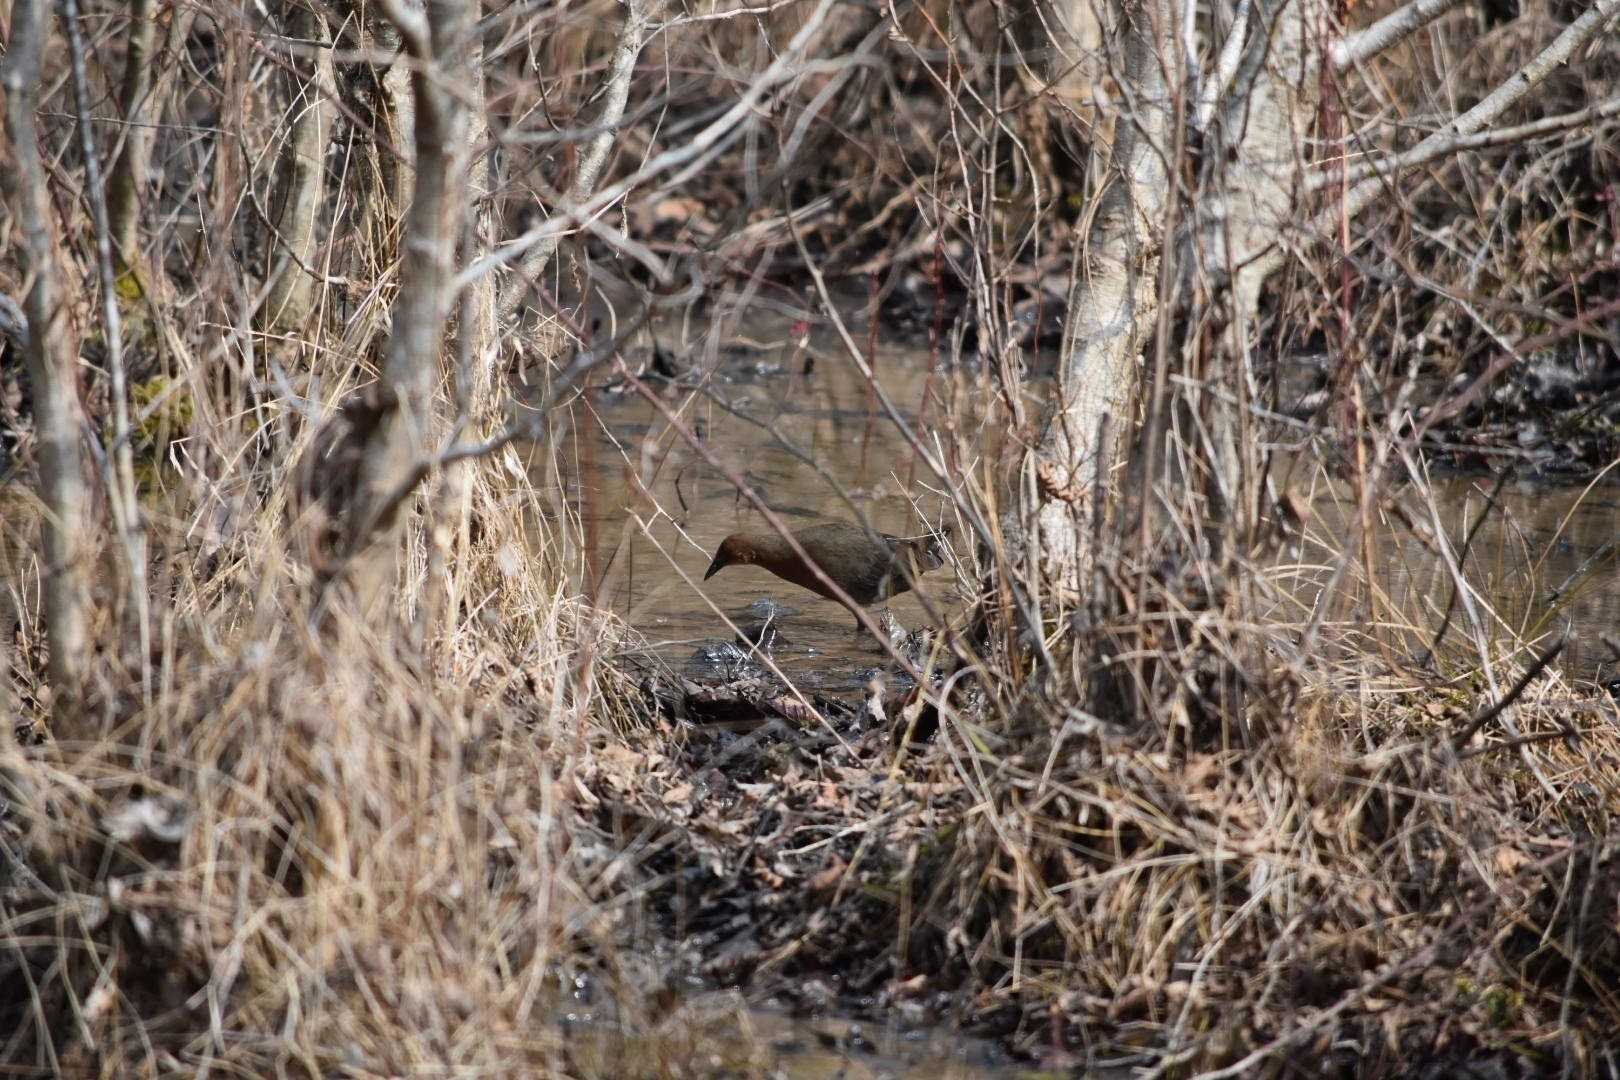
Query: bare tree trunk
{"points": [[1261, 99], [295, 250], [477, 338], [1254, 108], [127, 177], [1262, 133], [438, 43], [1256, 142], [398, 115], [616, 94], [51, 366], [1112, 305], [450, 537]]}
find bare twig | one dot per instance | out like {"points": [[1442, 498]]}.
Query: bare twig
{"points": [[13, 323], [1462, 558], [615, 92], [121, 480], [1530, 675], [784, 67], [1508, 92], [1604, 551], [1578, 927], [1226, 68], [1566, 733], [457, 452], [1370, 984], [1433, 149]]}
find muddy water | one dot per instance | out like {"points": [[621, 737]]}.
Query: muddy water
{"points": [[1543, 565], [732, 1041], [818, 446], [847, 1050], [814, 446]]}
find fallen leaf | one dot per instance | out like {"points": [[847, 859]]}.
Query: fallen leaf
{"points": [[830, 877]]}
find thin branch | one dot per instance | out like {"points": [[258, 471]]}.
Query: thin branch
{"points": [[615, 90], [783, 69], [1392, 29], [525, 429], [13, 323], [1226, 68], [1508, 93], [1371, 983], [121, 481], [1578, 929], [1432, 149], [1605, 550], [1519, 741], [1462, 558], [1530, 675]]}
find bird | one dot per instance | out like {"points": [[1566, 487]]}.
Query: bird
{"points": [[869, 566]]}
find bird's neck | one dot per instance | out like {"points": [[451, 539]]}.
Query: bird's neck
{"points": [[771, 549]]}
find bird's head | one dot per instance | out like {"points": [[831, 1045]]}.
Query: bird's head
{"points": [[733, 550]]}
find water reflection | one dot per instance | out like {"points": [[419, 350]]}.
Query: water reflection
{"points": [[818, 446], [719, 1036], [814, 447], [1542, 566]]}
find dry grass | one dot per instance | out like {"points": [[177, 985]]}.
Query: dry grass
{"points": [[310, 846], [1344, 884], [1172, 828], [292, 839], [1321, 880], [1226, 827]]}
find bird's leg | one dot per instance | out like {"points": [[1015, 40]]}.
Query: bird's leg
{"points": [[886, 622], [860, 627]]}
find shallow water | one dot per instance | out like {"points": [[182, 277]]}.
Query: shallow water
{"points": [[759, 1042], [656, 509], [1542, 566], [832, 1048], [814, 447]]}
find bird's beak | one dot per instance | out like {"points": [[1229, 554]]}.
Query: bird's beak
{"points": [[715, 567]]}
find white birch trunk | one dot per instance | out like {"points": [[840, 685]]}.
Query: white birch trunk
{"points": [[1253, 205], [1112, 305]]}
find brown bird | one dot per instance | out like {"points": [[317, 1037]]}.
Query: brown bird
{"points": [[869, 566]]}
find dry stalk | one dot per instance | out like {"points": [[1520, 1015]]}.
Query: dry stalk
{"points": [[121, 471], [52, 371]]}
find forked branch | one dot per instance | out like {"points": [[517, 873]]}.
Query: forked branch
{"points": [[1498, 101]]}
